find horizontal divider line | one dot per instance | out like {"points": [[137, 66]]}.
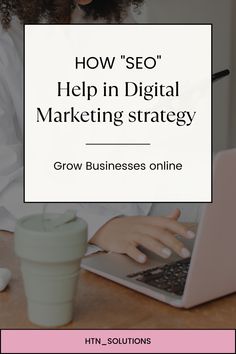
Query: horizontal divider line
{"points": [[117, 144]]}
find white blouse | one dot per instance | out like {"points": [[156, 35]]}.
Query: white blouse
{"points": [[11, 143]]}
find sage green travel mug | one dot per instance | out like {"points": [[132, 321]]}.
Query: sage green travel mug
{"points": [[50, 250]]}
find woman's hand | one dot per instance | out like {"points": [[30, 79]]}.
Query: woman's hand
{"points": [[157, 234]]}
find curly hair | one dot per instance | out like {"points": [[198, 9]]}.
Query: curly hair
{"points": [[59, 11]]}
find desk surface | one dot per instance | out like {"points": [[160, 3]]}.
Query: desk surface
{"points": [[102, 304]]}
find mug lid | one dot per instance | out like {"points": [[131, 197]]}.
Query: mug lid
{"points": [[53, 238], [52, 223]]}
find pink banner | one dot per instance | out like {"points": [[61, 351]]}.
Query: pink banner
{"points": [[118, 341]]}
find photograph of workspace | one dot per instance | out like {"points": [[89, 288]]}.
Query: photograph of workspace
{"points": [[118, 265]]}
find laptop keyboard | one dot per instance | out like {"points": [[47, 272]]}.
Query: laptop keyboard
{"points": [[170, 277]]}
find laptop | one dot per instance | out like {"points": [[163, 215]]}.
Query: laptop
{"points": [[185, 283]]}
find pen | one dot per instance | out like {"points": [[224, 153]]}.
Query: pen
{"points": [[220, 75]]}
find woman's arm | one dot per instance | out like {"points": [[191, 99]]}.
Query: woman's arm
{"points": [[10, 147]]}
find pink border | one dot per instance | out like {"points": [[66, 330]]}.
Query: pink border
{"points": [[73, 341]]}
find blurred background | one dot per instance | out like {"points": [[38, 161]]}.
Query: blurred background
{"points": [[222, 14]]}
